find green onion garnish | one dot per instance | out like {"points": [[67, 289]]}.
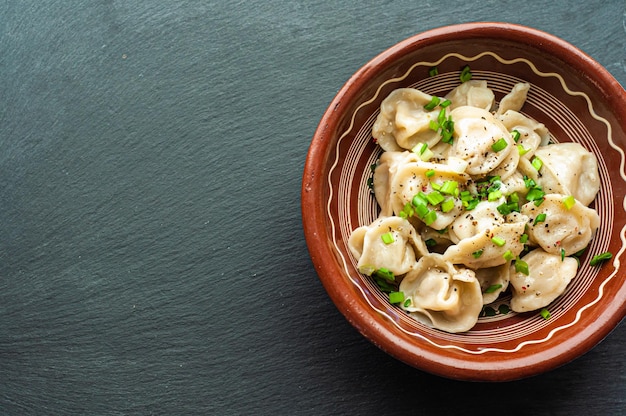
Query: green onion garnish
{"points": [[522, 150], [450, 188], [435, 198], [493, 288], [508, 255], [445, 103], [523, 239], [419, 199], [433, 71], [501, 144], [447, 205], [599, 258], [521, 267], [431, 242], [569, 202], [498, 241], [562, 254], [515, 135], [478, 253], [434, 102], [407, 303], [433, 125], [540, 218], [385, 274], [536, 162], [430, 217], [430, 173], [535, 193], [387, 238], [494, 196], [545, 314], [396, 297], [466, 74]]}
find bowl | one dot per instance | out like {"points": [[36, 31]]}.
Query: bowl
{"points": [[573, 96]]}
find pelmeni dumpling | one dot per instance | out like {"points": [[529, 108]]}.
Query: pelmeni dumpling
{"points": [[532, 134], [403, 121], [493, 281], [515, 99], [412, 179], [474, 93], [442, 295], [555, 227], [569, 168], [386, 168], [366, 244], [492, 246], [547, 279], [475, 132]]}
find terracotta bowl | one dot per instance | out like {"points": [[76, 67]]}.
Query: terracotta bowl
{"points": [[577, 100]]}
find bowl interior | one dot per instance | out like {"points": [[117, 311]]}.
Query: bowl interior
{"points": [[575, 104]]}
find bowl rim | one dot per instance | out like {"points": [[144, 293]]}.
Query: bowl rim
{"points": [[318, 241]]}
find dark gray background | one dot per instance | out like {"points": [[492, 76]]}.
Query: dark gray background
{"points": [[152, 259]]}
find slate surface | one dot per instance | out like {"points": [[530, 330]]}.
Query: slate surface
{"points": [[152, 258]]}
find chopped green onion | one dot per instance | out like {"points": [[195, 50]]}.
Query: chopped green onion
{"points": [[384, 273], [466, 74], [501, 144], [396, 297], [569, 202], [445, 103], [434, 102], [599, 258], [535, 193], [514, 197], [498, 241], [407, 211], [523, 239], [504, 208], [407, 303], [447, 205], [515, 135], [433, 71], [470, 205], [431, 242], [419, 199], [521, 267], [422, 210], [522, 150], [494, 196], [430, 217], [562, 254], [536, 162], [435, 186], [540, 218], [433, 125], [529, 182], [508, 255], [478, 253], [373, 167], [545, 314], [430, 173], [387, 238], [450, 187], [493, 288], [435, 198]]}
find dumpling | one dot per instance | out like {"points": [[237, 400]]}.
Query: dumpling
{"points": [[569, 168], [403, 121], [367, 244], [474, 93], [489, 247], [493, 281], [548, 278], [515, 99], [555, 227], [476, 131], [532, 133], [387, 165], [412, 178], [441, 295]]}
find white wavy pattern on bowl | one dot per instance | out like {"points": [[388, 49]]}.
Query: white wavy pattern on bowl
{"points": [[367, 210]]}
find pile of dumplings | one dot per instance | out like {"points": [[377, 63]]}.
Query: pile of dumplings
{"points": [[474, 201]]}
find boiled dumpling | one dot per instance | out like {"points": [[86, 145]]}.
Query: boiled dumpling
{"points": [[555, 227], [386, 168], [403, 121], [368, 245], [493, 281], [548, 278], [476, 131], [531, 134], [474, 93], [569, 168], [441, 295], [515, 99]]}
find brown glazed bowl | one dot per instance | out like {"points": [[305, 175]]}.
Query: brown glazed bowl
{"points": [[577, 100]]}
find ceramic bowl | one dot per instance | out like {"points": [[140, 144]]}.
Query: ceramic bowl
{"points": [[577, 100]]}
